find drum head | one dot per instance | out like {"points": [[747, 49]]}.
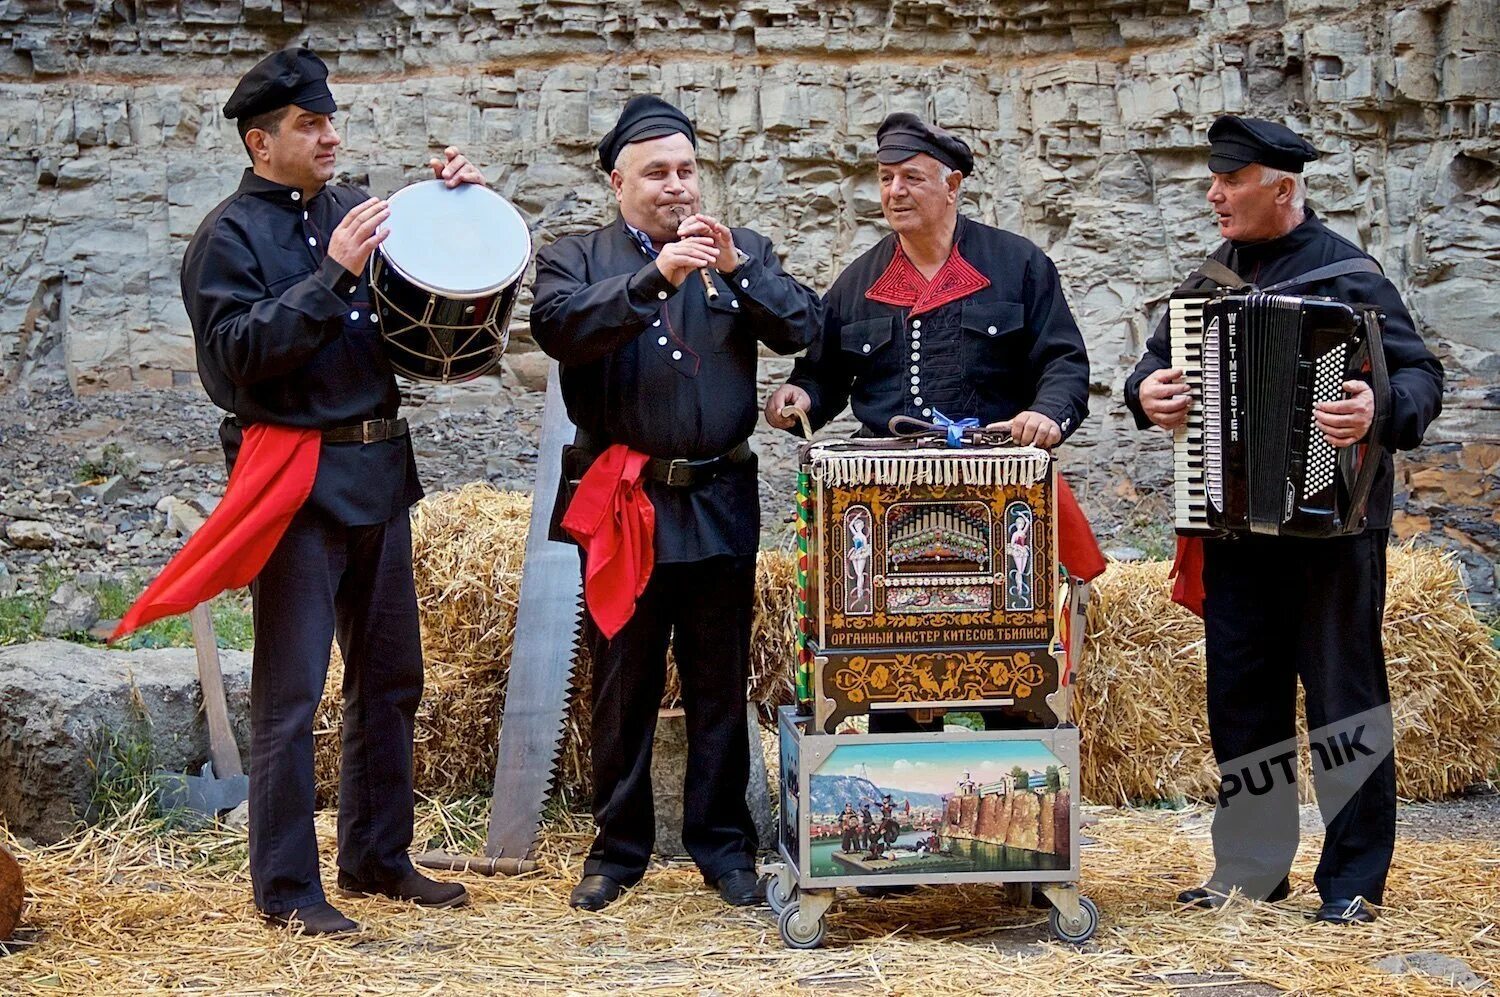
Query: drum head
{"points": [[460, 242]]}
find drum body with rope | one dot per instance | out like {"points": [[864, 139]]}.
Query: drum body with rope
{"points": [[446, 279]]}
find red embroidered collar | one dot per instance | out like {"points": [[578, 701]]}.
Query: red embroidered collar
{"points": [[904, 286]]}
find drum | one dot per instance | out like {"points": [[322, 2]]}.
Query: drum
{"points": [[12, 895], [446, 278]]}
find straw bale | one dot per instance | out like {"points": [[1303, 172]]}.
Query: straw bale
{"points": [[1140, 691], [1141, 694]]}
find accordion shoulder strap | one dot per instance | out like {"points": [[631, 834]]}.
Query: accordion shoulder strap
{"points": [[1212, 269], [1359, 264], [1374, 451]]}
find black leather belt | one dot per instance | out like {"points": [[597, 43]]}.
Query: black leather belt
{"points": [[679, 473], [369, 431]]}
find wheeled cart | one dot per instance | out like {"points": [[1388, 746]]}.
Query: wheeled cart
{"points": [[932, 808]]}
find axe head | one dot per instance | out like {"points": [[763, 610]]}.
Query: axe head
{"points": [[204, 793]]}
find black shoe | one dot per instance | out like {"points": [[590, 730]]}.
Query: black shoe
{"points": [[741, 888], [884, 891], [595, 892], [1341, 911], [1212, 896], [413, 887], [321, 918]]}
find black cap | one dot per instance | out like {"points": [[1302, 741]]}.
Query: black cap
{"points": [[903, 135], [1234, 143], [643, 117], [291, 76]]}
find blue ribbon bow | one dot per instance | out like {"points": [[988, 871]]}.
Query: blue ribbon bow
{"points": [[955, 429]]}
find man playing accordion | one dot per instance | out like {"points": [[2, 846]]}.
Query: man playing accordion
{"points": [[1276, 607]]}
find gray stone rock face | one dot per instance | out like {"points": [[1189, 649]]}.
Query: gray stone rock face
{"points": [[30, 534], [1088, 120], [669, 758], [61, 705], [72, 609]]}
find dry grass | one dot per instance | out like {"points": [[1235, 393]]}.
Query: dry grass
{"points": [[1140, 693], [123, 912]]}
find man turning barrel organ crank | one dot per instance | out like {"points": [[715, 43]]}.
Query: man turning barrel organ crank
{"points": [[275, 285], [1277, 604]]}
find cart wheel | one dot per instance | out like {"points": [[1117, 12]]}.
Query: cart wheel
{"points": [[1083, 930], [776, 898], [798, 932]]}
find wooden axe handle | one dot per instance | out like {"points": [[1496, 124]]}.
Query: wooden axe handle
{"points": [[222, 749]]}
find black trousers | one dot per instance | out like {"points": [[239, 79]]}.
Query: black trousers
{"points": [[704, 608], [1276, 610], [354, 582]]}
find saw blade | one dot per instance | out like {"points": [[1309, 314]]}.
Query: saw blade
{"points": [[540, 685]]}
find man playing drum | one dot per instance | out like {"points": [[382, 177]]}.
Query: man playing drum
{"points": [[275, 289], [660, 380]]}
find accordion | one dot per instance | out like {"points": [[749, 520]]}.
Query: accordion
{"points": [[1251, 458]]}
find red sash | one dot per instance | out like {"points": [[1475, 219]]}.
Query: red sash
{"points": [[613, 520], [272, 477]]}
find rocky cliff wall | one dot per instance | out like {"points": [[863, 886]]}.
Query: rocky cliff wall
{"points": [[1088, 118]]}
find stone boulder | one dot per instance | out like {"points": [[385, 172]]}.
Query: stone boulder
{"points": [[63, 706], [669, 766]]}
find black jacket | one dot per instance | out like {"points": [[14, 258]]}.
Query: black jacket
{"points": [[666, 372], [285, 335], [1416, 375], [1010, 347]]}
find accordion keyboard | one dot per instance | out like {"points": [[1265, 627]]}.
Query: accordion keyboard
{"points": [[1194, 446]]}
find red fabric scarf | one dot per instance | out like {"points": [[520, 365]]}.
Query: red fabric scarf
{"points": [[613, 520], [1187, 574], [903, 285], [272, 477], [1077, 548]]}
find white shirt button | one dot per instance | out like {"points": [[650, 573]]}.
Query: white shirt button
{"points": [[304, 216], [925, 411], [296, 195], [744, 282], [311, 241], [990, 330], [914, 369], [865, 348], [915, 335], [662, 341], [915, 379], [915, 355], [733, 303], [676, 354], [919, 401], [373, 318], [354, 316], [353, 289], [915, 390], [656, 323], [662, 295], [916, 323]]}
